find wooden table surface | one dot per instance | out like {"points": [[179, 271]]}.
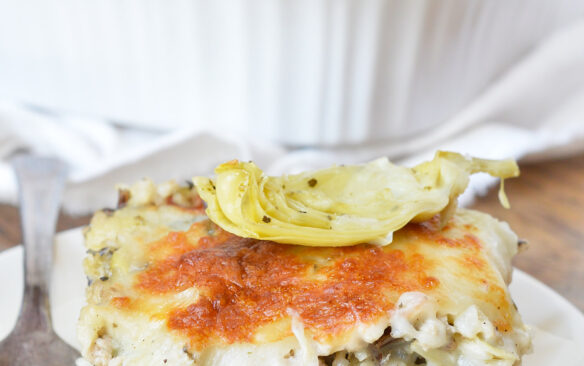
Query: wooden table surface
{"points": [[547, 210]]}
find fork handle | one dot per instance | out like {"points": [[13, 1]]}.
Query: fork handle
{"points": [[40, 183]]}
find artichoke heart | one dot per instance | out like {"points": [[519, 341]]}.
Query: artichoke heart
{"points": [[341, 205]]}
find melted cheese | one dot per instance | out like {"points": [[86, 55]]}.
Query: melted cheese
{"points": [[168, 284]]}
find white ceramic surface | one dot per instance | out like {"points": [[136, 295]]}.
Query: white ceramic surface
{"points": [[558, 325], [299, 72]]}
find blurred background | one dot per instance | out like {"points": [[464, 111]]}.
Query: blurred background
{"points": [[169, 89]]}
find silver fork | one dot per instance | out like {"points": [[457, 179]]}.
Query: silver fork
{"points": [[33, 341]]}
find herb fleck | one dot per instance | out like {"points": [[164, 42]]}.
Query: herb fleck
{"points": [[290, 354], [123, 197]]}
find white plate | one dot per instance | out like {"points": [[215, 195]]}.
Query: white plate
{"points": [[558, 325]]}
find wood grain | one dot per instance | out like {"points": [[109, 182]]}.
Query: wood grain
{"points": [[10, 225], [547, 210]]}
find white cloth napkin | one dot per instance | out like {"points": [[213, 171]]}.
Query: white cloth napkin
{"points": [[536, 110]]}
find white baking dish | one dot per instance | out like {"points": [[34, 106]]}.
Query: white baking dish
{"points": [[301, 72]]}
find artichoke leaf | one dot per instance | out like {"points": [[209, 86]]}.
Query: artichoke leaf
{"points": [[341, 205]]}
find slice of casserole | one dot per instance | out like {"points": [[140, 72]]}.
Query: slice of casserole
{"points": [[169, 287]]}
